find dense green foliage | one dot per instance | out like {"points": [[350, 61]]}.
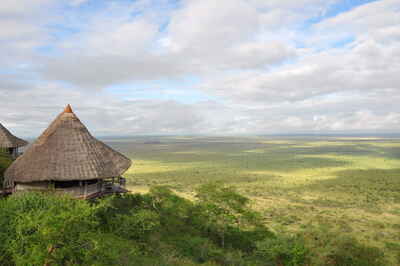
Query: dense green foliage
{"points": [[159, 228]]}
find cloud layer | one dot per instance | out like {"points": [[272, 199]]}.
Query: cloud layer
{"points": [[202, 67]]}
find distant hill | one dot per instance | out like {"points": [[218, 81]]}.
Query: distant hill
{"points": [[152, 142]]}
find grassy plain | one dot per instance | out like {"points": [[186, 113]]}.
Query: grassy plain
{"points": [[346, 186]]}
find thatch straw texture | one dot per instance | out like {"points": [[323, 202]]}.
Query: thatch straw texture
{"points": [[8, 140], [67, 151]]}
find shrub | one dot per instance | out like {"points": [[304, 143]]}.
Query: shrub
{"points": [[349, 252], [224, 212], [288, 251], [47, 229]]}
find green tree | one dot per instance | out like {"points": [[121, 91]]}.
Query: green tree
{"points": [[223, 210]]}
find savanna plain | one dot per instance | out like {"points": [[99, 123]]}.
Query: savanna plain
{"points": [[322, 187]]}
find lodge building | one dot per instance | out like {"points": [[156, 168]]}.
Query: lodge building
{"points": [[66, 158], [10, 143]]}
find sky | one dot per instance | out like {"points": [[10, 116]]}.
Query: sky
{"points": [[183, 67]]}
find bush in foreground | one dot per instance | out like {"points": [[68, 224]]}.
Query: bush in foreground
{"points": [[158, 228]]}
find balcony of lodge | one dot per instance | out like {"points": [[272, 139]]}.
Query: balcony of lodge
{"points": [[86, 189]]}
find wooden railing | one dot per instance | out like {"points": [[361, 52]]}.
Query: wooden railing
{"points": [[84, 190]]}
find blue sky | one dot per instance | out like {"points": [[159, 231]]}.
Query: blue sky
{"points": [[202, 67]]}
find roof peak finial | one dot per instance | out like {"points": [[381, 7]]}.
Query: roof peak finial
{"points": [[68, 109]]}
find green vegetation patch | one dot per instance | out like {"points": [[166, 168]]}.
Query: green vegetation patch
{"points": [[161, 228]]}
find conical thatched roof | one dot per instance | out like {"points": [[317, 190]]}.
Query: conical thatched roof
{"points": [[8, 140], [67, 151]]}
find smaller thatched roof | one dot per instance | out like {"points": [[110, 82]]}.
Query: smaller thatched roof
{"points": [[67, 151], [8, 140]]}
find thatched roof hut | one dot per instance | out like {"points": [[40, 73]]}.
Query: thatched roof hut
{"points": [[66, 151], [8, 140]]}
